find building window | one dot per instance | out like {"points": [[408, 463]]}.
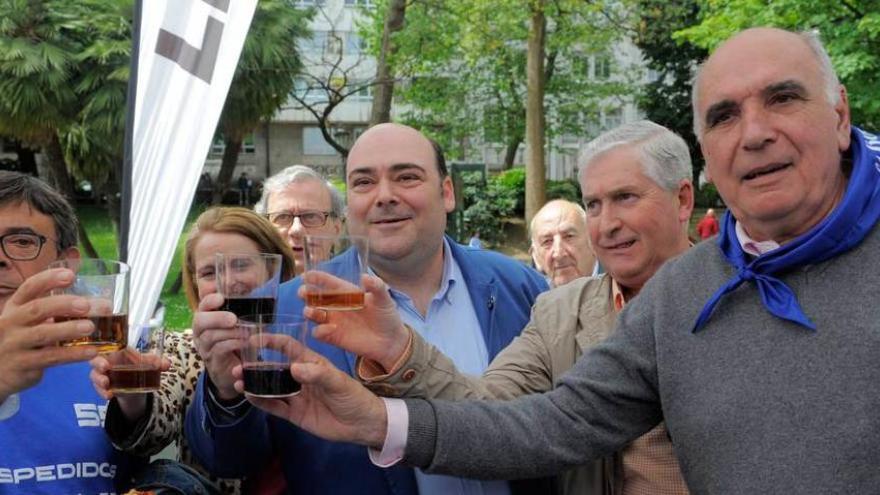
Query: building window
{"points": [[248, 145], [359, 3], [308, 94], [315, 43], [355, 45], [334, 44], [602, 67], [314, 143], [365, 93], [613, 118]]}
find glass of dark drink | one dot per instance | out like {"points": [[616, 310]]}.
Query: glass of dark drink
{"points": [[248, 282], [346, 258], [105, 284], [137, 367], [265, 365]]}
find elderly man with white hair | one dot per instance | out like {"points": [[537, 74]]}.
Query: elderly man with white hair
{"points": [[299, 202], [560, 246]]}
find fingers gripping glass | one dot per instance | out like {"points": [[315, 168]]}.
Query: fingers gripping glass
{"points": [[310, 219], [20, 246]]}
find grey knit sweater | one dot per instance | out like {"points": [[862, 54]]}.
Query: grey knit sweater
{"points": [[754, 404]]}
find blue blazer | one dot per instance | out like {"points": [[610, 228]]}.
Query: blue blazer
{"points": [[502, 291]]}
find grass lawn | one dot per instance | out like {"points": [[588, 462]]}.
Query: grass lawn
{"points": [[103, 237]]}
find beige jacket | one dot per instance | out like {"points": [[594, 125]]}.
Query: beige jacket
{"points": [[564, 323]]}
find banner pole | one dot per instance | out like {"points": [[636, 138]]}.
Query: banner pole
{"points": [[131, 99]]}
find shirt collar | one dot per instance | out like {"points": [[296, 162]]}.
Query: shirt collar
{"points": [[751, 246], [451, 275]]}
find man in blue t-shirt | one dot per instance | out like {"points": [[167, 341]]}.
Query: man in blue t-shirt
{"points": [[50, 416]]}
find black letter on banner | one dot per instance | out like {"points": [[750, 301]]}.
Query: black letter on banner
{"points": [[199, 63]]}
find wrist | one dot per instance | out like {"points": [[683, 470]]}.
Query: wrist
{"points": [[398, 350], [377, 427], [133, 406]]}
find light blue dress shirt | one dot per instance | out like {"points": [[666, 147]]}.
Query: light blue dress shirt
{"points": [[451, 325]]}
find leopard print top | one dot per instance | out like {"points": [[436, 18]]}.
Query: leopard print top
{"points": [[166, 419]]}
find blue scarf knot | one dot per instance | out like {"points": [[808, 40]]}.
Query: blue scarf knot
{"points": [[842, 230]]}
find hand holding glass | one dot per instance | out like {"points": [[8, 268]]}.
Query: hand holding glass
{"points": [[105, 284], [329, 254], [265, 366], [137, 367]]}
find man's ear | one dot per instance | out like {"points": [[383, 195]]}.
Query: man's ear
{"points": [[71, 253], [685, 200], [448, 191]]}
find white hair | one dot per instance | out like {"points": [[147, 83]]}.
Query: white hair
{"points": [[665, 158], [826, 69], [299, 173]]}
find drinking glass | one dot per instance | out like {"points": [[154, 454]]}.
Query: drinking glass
{"points": [[248, 282], [265, 368], [137, 367], [346, 291], [105, 284]]}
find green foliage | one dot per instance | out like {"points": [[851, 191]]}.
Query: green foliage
{"points": [[487, 205], [667, 99], [463, 67], [567, 189], [707, 196], [513, 182], [850, 31]]}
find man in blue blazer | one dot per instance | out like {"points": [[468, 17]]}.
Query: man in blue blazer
{"points": [[470, 303]]}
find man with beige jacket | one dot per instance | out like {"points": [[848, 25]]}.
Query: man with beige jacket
{"points": [[638, 198]]}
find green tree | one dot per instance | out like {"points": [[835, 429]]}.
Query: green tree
{"points": [[667, 99], [850, 30], [63, 67], [462, 65], [264, 79]]}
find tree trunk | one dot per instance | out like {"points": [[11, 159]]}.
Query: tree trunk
{"points": [[384, 89], [227, 168], [510, 152], [178, 283], [535, 169], [27, 159], [63, 183]]}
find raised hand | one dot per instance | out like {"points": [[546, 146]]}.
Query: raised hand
{"points": [[218, 343], [375, 332], [28, 336], [330, 404], [133, 405]]}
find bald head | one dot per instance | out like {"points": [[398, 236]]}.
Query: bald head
{"points": [[804, 45], [560, 245], [395, 134]]}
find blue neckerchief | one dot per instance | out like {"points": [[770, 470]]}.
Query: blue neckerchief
{"points": [[841, 231]]}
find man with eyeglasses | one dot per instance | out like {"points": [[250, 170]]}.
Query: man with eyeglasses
{"points": [[50, 416], [300, 202]]}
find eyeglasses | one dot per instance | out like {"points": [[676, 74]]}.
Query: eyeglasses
{"points": [[22, 246], [309, 219]]}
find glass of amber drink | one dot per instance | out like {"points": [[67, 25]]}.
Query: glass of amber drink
{"points": [[137, 367], [105, 284], [346, 258]]}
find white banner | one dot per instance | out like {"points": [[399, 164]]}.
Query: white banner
{"points": [[187, 56]]}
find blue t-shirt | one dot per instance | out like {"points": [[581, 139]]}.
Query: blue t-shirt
{"points": [[55, 442]]}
